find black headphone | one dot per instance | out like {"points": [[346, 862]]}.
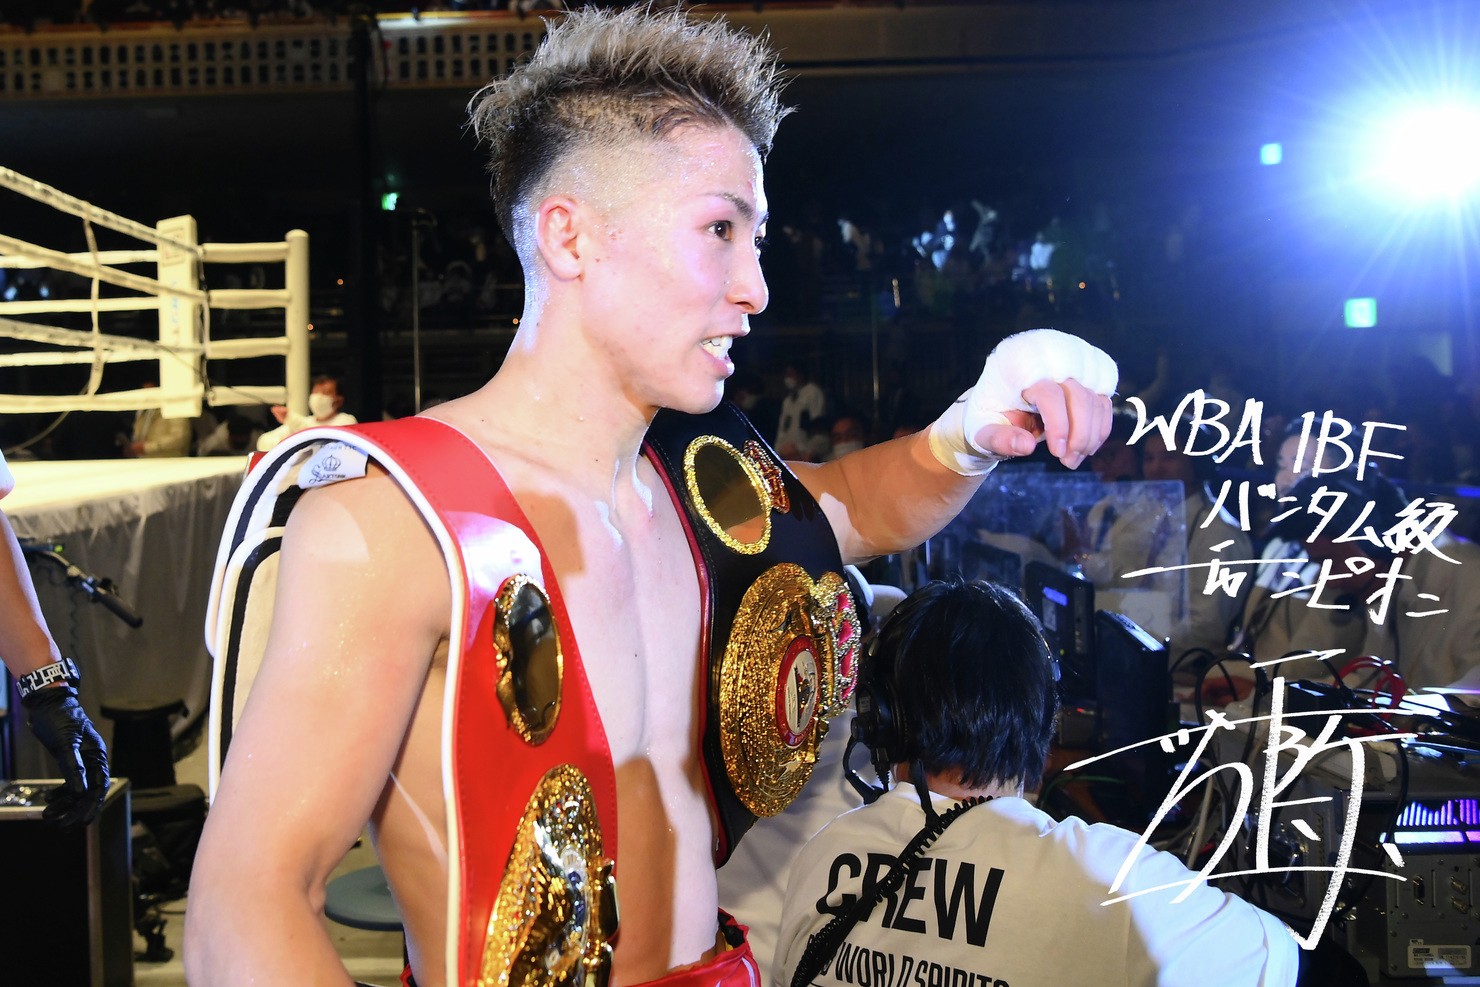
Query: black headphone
{"points": [[877, 725], [1373, 488]]}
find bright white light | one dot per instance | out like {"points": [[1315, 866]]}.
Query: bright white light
{"points": [[1430, 153], [1361, 313]]}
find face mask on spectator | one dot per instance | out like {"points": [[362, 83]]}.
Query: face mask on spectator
{"points": [[320, 405]]}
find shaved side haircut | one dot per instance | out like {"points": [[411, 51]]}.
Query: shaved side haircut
{"points": [[602, 79]]}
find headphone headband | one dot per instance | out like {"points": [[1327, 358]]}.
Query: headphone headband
{"points": [[877, 725]]}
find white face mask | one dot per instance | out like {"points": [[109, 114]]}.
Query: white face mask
{"points": [[320, 405], [843, 448]]}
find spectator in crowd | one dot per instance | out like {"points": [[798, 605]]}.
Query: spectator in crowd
{"points": [[1430, 611], [819, 441], [1040, 256], [236, 436], [1131, 531], [804, 403], [1287, 610], [935, 244], [848, 434], [1089, 536], [986, 230], [324, 404], [1212, 535], [860, 245], [899, 405], [748, 391], [1117, 460], [154, 436]]}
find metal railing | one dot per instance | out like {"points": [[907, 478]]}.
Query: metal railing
{"points": [[217, 58]]}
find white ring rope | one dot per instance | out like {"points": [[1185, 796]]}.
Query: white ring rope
{"points": [[103, 257], [179, 298], [65, 262], [95, 375], [62, 202], [145, 349]]}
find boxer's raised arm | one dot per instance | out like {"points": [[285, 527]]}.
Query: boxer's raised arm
{"points": [[1036, 386], [361, 606]]}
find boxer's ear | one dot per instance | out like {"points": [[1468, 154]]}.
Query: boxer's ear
{"points": [[558, 228]]}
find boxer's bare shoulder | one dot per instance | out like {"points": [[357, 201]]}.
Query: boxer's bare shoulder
{"points": [[360, 613]]}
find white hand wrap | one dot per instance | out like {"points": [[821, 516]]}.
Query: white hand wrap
{"points": [[1017, 363]]}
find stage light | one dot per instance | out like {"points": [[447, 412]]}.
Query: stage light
{"points": [[1361, 313], [388, 201], [1271, 154], [1428, 154]]}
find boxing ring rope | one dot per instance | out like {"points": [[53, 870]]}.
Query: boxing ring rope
{"points": [[176, 291]]}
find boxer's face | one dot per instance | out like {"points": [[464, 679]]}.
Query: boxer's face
{"points": [[674, 273]]}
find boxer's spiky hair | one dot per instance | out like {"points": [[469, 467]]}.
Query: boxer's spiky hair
{"points": [[604, 78]]}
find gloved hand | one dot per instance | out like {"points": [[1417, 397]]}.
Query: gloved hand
{"points": [[1036, 384], [59, 723]]}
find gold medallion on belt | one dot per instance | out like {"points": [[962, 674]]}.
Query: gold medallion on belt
{"points": [[556, 910], [788, 667]]}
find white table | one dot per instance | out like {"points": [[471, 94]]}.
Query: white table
{"points": [[150, 525]]}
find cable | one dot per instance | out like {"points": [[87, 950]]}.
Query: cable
{"points": [[825, 942], [1200, 830], [28, 443], [98, 590], [1387, 674], [1260, 679], [1385, 834], [1062, 778], [1187, 654]]}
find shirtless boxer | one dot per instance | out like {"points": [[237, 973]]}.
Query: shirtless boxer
{"points": [[626, 157]]}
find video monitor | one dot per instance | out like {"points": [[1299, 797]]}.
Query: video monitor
{"points": [[1135, 687], [1065, 603], [1135, 700]]}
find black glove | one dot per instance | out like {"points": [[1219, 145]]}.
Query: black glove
{"points": [[59, 723]]}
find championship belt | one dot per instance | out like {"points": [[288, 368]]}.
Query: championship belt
{"points": [[530, 787], [781, 633]]}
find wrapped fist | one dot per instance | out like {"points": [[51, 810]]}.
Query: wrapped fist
{"points": [[1040, 384]]}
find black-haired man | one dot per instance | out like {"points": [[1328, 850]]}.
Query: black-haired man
{"points": [[958, 696]]}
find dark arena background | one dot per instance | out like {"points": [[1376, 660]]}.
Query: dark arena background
{"points": [[1266, 201]]}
